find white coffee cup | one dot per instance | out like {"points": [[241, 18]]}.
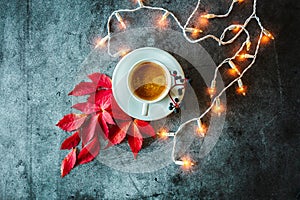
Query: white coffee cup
{"points": [[166, 80]]}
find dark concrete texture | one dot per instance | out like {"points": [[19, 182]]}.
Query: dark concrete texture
{"points": [[43, 43]]}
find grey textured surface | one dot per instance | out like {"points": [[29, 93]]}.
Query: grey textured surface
{"points": [[42, 46]]}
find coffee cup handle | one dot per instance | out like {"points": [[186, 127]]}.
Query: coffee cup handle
{"points": [[145, 109]]}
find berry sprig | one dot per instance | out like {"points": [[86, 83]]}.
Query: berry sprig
{"points": [[175, 105], [179, 81]]}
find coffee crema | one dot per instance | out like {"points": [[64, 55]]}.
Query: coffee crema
{"points": [[148, 81]]}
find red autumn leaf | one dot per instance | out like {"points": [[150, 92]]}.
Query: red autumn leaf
{"points": [[71, 141], [118, 113], [86, 107], [135, 139], [90, 129], [118, 133], [145, 128], [103, 98], [101, 80], [68, 163], [89, 152], [104, 126], [137, 128], [71, 122], [107, 117], [104, 119], [84, 88]]}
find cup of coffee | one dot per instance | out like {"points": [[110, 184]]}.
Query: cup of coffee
{"points": [[148, 81]]}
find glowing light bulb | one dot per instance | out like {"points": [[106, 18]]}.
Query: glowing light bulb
{"points": [[235, 28], [162, 22], [165, 15], [241, 88], [239, 1], [120, 19], [203, 22], [201, 128], [163, 133], [101, 42], [245, 56], [248, 45], [194, 31], [212, 89], [140, 2], [208, 16], [121, 53], [218, 108], [185, 162], [268, 34], [265, 39], [233, 67], [124, 52], [241, 57]]}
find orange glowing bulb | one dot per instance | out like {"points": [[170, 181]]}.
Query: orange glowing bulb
{"points": [[163, 133], [122, 25], [194, 32], [248, 45], [140, 2], [211, 91], [242, 90], [124, 53], [121, 53], [233, 66], [241, 57], [268, 34], [186, 163], [100, 42], [162, 22], [236, 29], [265, 39], [208, 16], [218, 108], [203, 22], [233, 71], [244, 56], [201, 130], [121, 21]]}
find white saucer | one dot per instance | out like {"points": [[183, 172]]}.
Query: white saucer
{"points": [[122, 95]]}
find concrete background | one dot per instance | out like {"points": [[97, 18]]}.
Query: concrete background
{"points": [[42, 46]]}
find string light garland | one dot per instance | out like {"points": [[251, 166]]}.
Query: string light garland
{"points": [[215, 95]]}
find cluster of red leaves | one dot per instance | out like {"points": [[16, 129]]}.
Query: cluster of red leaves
{"points": [[101, 117]]}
